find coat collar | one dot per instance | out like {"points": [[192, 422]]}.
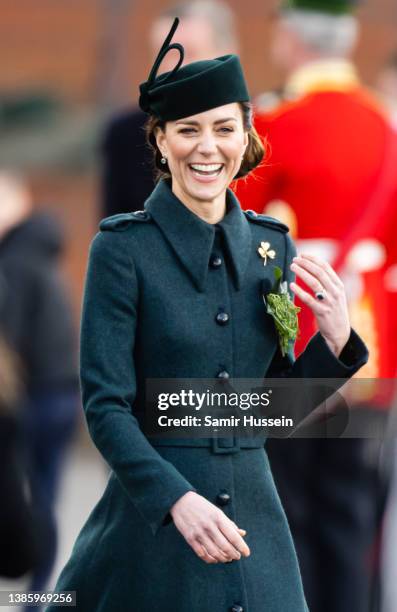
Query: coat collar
{"points": [[193, 239]]}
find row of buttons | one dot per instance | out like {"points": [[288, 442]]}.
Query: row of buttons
{"points": [[222, 318]]}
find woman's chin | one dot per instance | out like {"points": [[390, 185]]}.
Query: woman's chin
{"points": [[206, 194], [205, 191]]}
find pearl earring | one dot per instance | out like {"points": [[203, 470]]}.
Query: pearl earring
{"points": [[163, 160]]}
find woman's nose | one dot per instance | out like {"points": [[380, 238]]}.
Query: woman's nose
{"points": [[207, 144]]}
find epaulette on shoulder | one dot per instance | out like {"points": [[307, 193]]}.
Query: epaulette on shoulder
{"points": [[121, 222], [266, 220]]}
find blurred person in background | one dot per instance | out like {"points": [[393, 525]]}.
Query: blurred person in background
{"points": [[386, 87], [331, 178], [19, 532], [207, 29], [37, 321]]}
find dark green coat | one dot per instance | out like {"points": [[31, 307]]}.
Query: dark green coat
{"points": [[152, 296]]}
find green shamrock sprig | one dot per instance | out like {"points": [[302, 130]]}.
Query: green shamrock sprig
{"points": [[284, 312]]}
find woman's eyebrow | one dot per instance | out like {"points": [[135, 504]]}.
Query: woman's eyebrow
{"points": [[226, 119], [197, 123], [186, 122]]}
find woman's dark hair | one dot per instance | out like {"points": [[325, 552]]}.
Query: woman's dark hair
{"points": [[253, 153]]}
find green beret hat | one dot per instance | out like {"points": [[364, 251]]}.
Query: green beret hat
{"points": [[194, 88], [333, 7]]}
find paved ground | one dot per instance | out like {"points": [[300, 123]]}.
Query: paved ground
{"points": [[84, 480]]}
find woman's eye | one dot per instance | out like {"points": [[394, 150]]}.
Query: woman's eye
{"points": [[226, 129], [187, 131]]}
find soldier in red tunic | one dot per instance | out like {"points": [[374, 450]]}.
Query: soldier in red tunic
{"points": [[327, 141], [329, 176]]}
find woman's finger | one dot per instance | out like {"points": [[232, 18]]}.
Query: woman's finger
{"points": [[242, 532], [212, 549], [326, 265], [317, 307], [322, 277], [234, 538], [223, 544], [309, 279], [202, 553]]}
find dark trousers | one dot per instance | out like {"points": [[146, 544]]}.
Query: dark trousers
{"points": [[334, 501], [50, 421]]}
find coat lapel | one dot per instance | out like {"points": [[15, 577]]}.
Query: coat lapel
{"points": [[192, 239], [238, 238]]}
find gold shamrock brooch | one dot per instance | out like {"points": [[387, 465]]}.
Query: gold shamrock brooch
{"points": [[265, 251]]}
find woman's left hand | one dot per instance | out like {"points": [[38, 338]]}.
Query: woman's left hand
{"points": [[331, 313]]}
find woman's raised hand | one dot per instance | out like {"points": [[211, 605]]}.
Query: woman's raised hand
{"points": [[331, 312], [212, 535]]}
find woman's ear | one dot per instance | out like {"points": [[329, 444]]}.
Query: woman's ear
{"points": [[246, 140], [160, 137]]}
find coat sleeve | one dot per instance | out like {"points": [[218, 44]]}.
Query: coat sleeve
{"points": [[108, 382], [316, 361]]}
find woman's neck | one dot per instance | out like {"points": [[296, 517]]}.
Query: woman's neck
{"points": [[211, 212]]}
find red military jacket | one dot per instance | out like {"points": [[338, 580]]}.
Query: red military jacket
{"points": [[325, 154]]}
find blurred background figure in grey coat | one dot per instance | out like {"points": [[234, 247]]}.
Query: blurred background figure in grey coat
{"points": [[36, 320], [207, 29]]}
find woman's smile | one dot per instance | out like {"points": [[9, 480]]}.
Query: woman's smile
{"points": [[205, 172]]}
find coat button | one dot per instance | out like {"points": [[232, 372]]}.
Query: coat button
{"points": [[223, 498], [222, 318], [237, 608], [215, 261], [224, 375]]}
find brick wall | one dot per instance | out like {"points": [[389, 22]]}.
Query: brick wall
{"points": [[51, 44], [91, 50]]}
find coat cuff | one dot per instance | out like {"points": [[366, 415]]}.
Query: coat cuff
{"points": [[157, 512], [353, 356]]}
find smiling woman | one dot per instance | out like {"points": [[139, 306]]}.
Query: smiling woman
{"points": [[253, 153], [204, 152], [175, 292]]}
